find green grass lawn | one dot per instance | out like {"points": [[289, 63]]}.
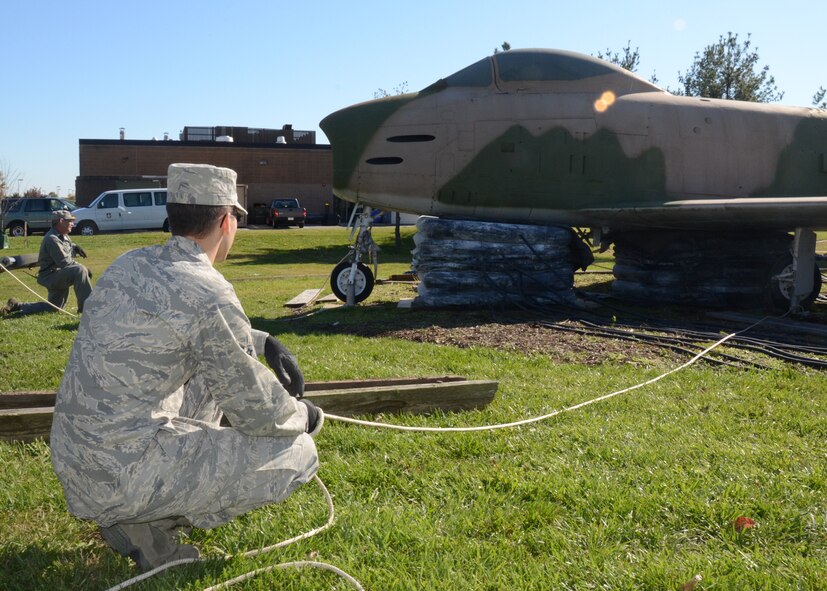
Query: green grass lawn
{"points": [[638, 492]]}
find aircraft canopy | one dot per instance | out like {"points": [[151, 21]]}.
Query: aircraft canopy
{"points": [[532, 65]]}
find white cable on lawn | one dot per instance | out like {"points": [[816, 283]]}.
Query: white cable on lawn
{"points": [[297, 564], [551, 414], [311, 533], [37, 295], [252, 553], [330, 520]]}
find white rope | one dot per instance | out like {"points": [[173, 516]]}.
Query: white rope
{"points": [[329, 523], [331, 518], [151, 573], [37, 295], [695, 359], [322, 565], [298, 564]]}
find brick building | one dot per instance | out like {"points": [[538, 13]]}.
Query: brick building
{"points": [[271, 164]]}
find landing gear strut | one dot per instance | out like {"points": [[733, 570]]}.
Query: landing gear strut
{"points": [[796, 280], [352, 280]]}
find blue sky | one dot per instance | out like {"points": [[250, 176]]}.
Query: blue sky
{"points": [[84, 69]]}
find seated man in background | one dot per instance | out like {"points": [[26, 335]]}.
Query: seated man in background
{"points": [[164, 348], [58, 270]]}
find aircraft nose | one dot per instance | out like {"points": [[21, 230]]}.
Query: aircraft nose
{"points": [[350, 130]]}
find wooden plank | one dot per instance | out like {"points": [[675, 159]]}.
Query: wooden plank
{"points": [[304, 298], [25, 424], [26, 399], [412, 398], [377, 382], [347, 398], [38, 398], [403, 278]]}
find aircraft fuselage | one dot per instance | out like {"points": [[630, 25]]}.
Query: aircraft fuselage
{"points": [[552, 137]]}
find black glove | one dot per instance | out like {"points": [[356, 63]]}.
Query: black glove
{"points": [[315, 418], [285, 365], [78, 251]]}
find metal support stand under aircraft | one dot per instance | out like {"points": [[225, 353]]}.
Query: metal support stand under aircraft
{"points": [[797, 282], [734, 269], [352, 280]]}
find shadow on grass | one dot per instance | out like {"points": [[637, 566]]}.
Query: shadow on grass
{"points": [[71, 325], [331, 254], [605, 317], [36, 568], [377, 319]]}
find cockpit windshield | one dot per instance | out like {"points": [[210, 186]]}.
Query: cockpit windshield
{"points": [[476, 75], [516, 66]]}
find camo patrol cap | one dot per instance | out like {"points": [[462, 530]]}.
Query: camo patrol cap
{"points": [[62, 214], [202, 184]]}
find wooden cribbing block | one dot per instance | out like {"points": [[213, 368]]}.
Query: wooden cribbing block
{"points": [[304, 298], [25, 424], [25, 416], [409, 398]]}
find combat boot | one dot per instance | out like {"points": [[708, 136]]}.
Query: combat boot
{"points": [[11, 306], [150, 544]]}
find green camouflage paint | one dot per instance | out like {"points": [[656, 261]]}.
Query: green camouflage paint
{"points": [[801, 168], [353, 129], [557, 171]]}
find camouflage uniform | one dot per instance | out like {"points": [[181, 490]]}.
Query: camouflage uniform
{"points": [[58, 272], [162, 350]]}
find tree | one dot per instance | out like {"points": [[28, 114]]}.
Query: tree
{"points": [[397, 90], [728, 70], [630, 60], [505, 47], [8, 176], [33, 193], [818, 98]]}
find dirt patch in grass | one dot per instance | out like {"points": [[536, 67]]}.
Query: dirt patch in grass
{"points": [[467, 330], [635, 339], [532, 338]]}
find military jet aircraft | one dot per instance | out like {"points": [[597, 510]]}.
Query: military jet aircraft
{"points": [[554, 137]]}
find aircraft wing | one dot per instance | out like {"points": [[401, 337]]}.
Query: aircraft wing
{"points": [[781, 213]]}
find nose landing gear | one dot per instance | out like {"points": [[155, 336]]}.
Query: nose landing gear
{"points": [[351, 280]]}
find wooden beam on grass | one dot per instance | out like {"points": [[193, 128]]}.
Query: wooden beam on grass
{"points": [[304, 298], [25, 416], [409, 398], [25, 424]]}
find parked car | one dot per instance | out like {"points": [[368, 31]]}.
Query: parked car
{"points": [[128, 209], [32, 214], [286, 212], [7, 202]]}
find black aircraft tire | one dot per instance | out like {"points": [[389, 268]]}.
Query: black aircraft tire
{"points": [[363, 284], [779, 294]]}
